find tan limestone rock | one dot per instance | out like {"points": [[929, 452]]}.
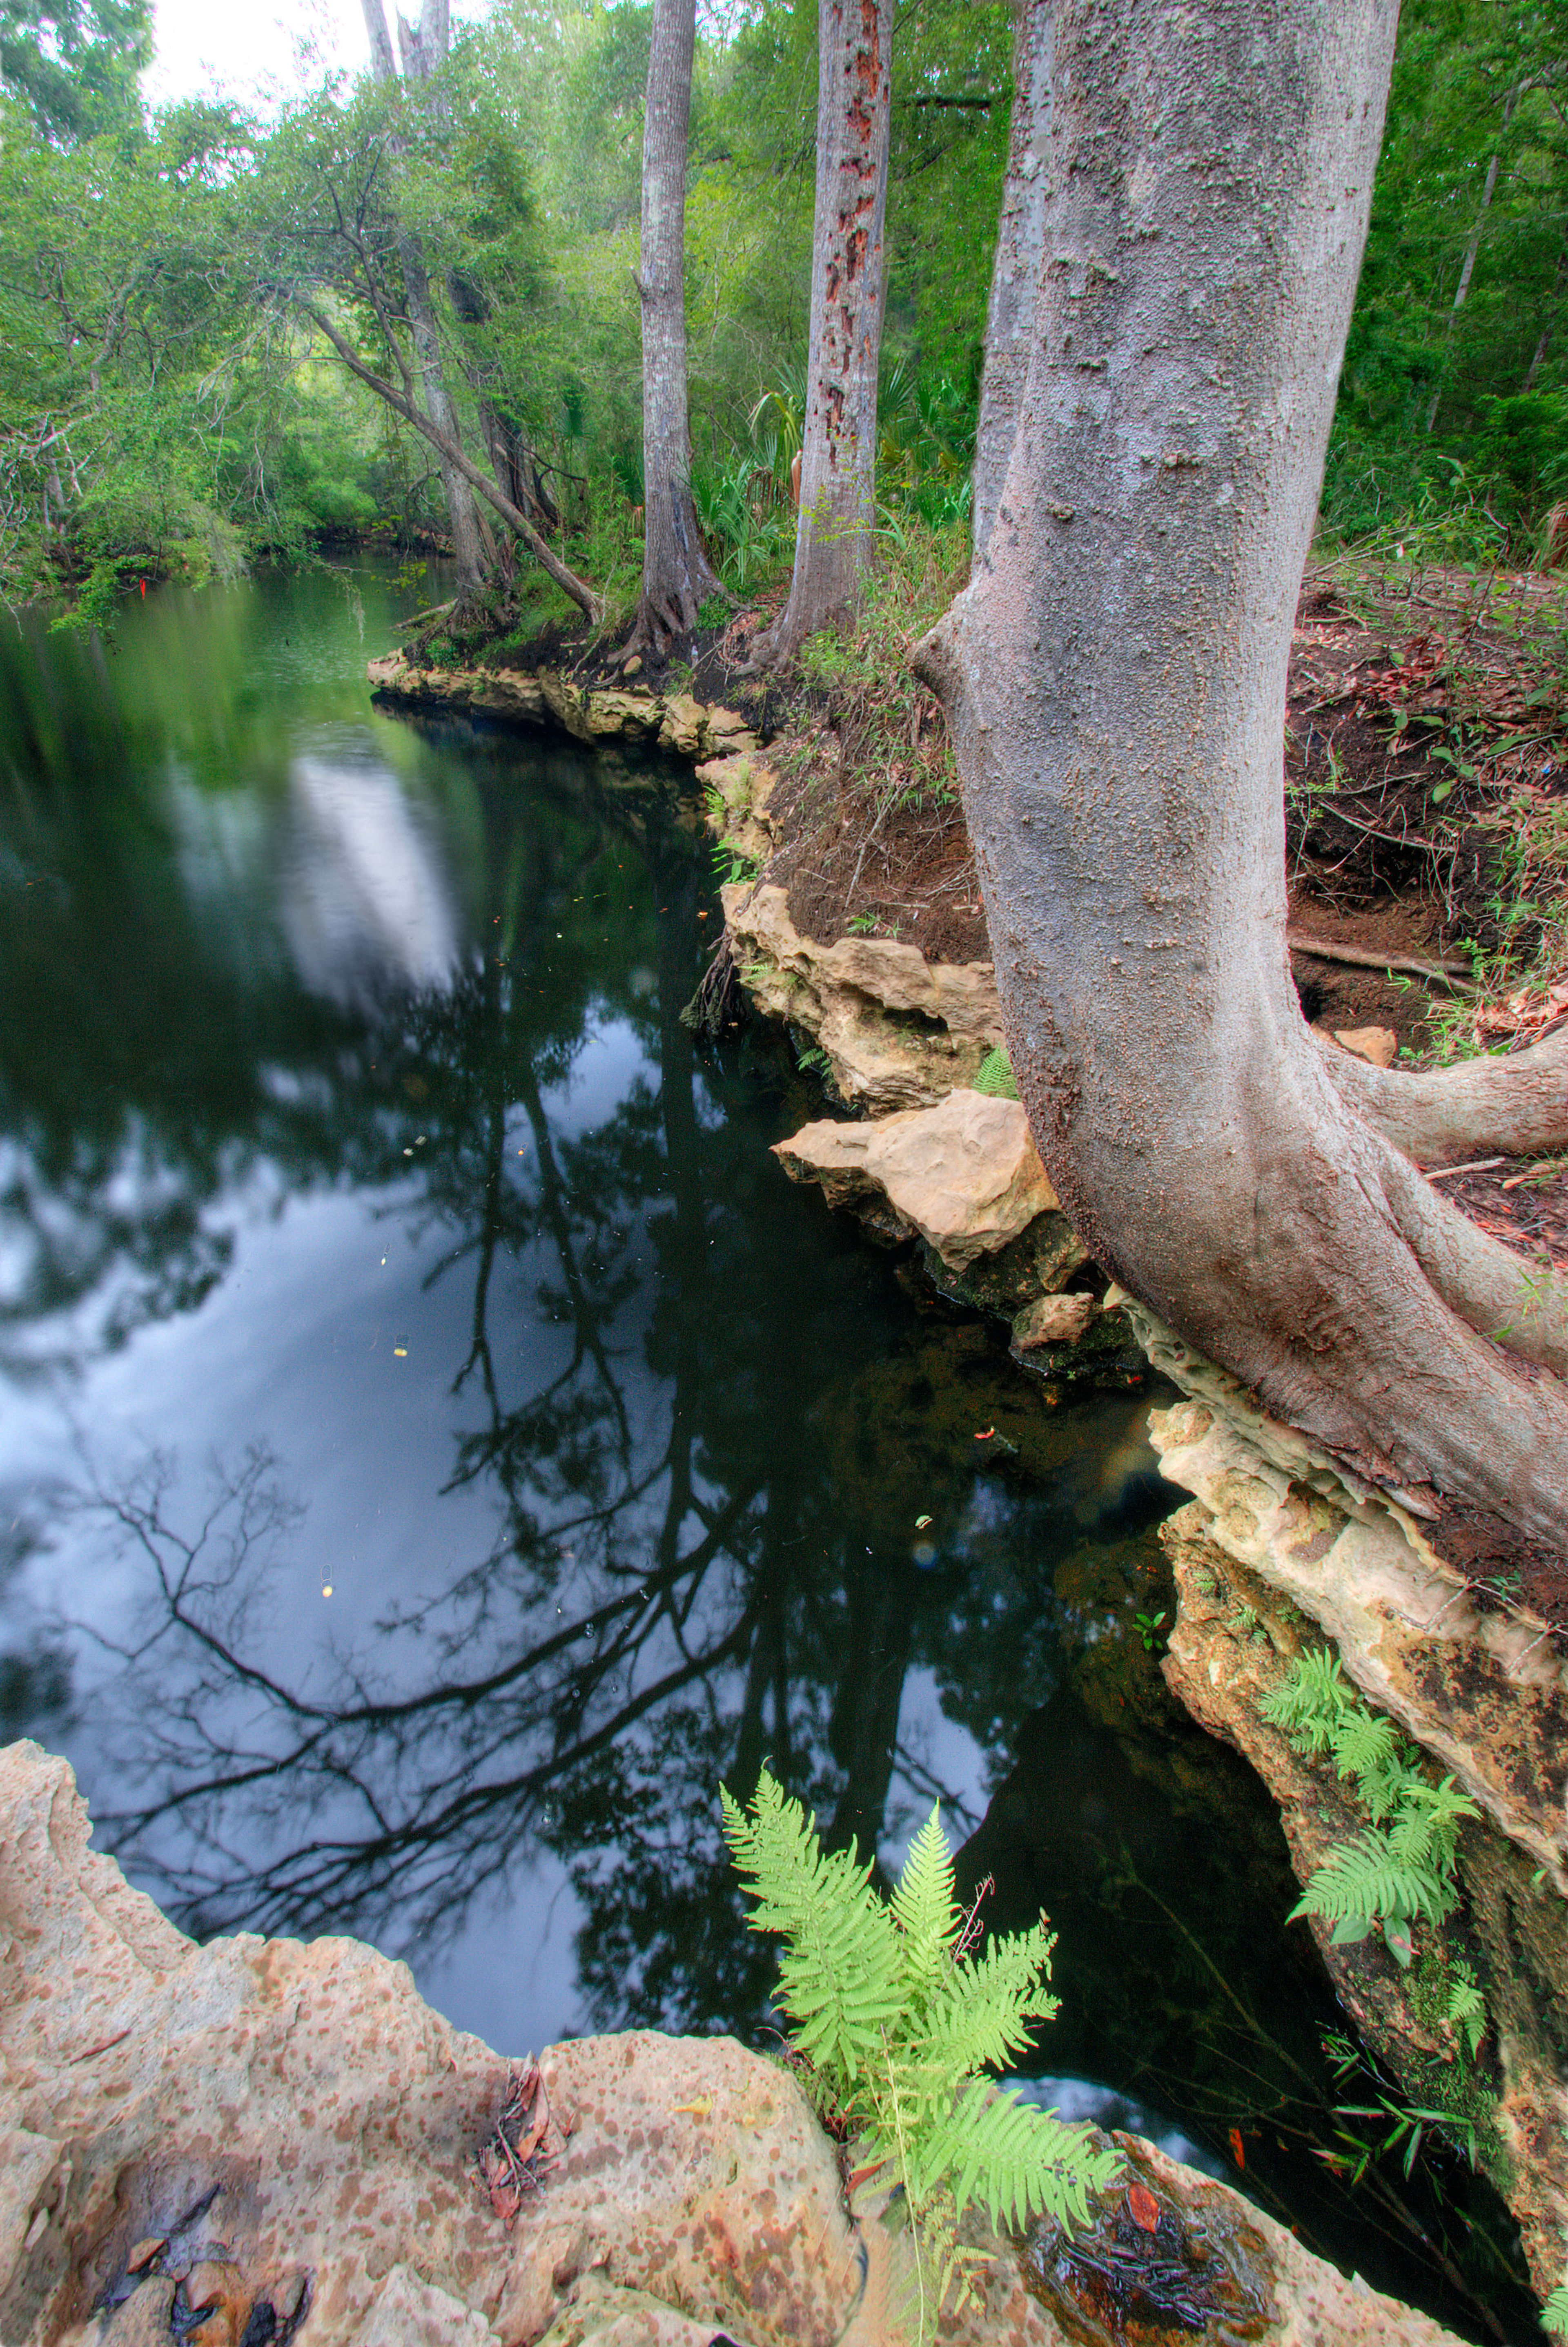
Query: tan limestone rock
{"points": [[289, 2128], [964, 1174], [510, 694], [727, 730], [1484, 1691], [1234, 1638], [1054, 1321], [683, 728], [743, 785], [566, 702], [899, 1031], [1378, 1044], [635, 715]]}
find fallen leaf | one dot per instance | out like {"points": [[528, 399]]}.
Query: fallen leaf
{"points": [[985, 1434], [1143, 2208], [699, 2109], [1237, 2148]]}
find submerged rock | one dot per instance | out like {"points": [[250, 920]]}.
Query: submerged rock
{"points": [[265, 2140]]}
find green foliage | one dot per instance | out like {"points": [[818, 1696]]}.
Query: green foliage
{"points": [[900, 2023], [73, 66], [1554, 2313], [995, 1076], [1400, 1870]]}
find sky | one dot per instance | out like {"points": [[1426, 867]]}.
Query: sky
{"points": [[258, 50]]}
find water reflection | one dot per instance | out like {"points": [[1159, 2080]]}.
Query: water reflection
{"points": [[364, 906], [369, 1224]]}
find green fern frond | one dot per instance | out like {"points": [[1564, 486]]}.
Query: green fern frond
{"points": [[839, 1975], [980, 2018], [904, 2027], [995, 1075], [1426, 1831], [1365, 1742], [1017, 2160], [926, 1911], [1366, 1877], [1554, 2313], [1310, 1701]]}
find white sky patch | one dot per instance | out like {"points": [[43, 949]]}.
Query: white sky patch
{"points": [[260, 57]]}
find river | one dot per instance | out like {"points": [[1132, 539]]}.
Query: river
{"points": [[440, 1446]]}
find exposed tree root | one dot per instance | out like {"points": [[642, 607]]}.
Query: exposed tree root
{"points": [[1518, 1104], [1520, 1306]]}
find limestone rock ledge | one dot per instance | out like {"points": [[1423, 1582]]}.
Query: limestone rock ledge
{"points": [[592, 713], [897, 1031], [287, 2135], [1283, 1545], [965, 1180], [1484, 1691]]}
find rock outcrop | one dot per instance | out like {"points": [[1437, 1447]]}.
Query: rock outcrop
{"points": [[965, 1174], [897, 1031], [265, 2141], [1282, 1546]]}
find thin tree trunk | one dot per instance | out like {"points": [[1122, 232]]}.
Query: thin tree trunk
{"points": [[1462, 293], [676, 576], [1019, 251], [421, 51], [833, 538], [1115, 675], [1553, 303], [453, 453]]}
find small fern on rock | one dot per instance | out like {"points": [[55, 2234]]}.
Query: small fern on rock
{"points": [[902, 2022], [995, 1074], [1400, 1870]]}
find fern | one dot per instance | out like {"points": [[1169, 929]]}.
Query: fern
{"points": [[1554, 2313], [995, 1074], [1399, 1870], [902, 2024]]}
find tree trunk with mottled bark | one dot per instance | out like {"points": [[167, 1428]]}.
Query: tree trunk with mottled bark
{"points": [[1010, 316], [677, 575], [1114, 675], [833, 538]]}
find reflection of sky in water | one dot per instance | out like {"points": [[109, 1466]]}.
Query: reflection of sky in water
{"points": [[349, 1113]]}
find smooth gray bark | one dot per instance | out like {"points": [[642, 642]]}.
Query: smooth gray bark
{"points": [[1020, 247], [1115, 675], [833, 537], [677, 575]]}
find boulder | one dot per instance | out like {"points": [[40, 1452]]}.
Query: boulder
{"points": [[287, 2135], [964, 1174], [683, 729], [899, 1031], [1053, 1320]]}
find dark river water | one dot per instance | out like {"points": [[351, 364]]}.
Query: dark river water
{"points": [[438, 1446]]}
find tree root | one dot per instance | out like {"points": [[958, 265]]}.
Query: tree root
{"points": [[1523, 1306], [1518, 1104]]}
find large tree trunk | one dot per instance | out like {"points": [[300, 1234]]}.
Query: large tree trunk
{"points": [[422, 50], [833, 537], [1020, 248], [676, 576], [1115, 677]]}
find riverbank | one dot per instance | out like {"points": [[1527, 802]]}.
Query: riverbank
{"points": [[1426, 789], [265, 2140]]}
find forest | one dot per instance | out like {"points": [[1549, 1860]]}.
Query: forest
{"points": [[171, 405]]}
